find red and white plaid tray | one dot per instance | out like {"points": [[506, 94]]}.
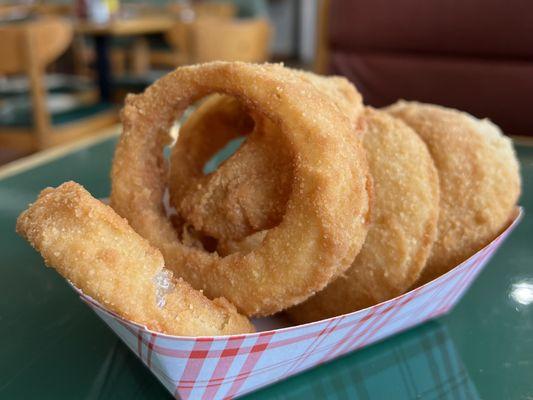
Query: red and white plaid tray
{"points": [[229, 366]]}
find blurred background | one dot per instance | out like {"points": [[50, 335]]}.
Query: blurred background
{"points": [[66, 65]]}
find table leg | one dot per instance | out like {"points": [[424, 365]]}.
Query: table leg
{"points": [[103, 66]]}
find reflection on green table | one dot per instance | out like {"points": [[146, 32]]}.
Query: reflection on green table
{"points": [[421, 363], [54, 347]]}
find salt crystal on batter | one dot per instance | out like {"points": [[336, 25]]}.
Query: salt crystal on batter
{"points": [[163, 286]]}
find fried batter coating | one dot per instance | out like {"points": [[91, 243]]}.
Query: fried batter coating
{"points": [[225, 247], [479, 180], [225, 204], [230, 209], [95, 249], [404, 228], [405, 213], [326, 217]]}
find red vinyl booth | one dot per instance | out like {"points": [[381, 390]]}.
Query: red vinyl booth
{"points": [[473, 55]]}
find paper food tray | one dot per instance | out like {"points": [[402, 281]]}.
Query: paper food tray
{"points": [[229, 366]]}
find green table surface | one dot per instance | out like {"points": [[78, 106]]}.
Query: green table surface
{"points": [[54, 347]]}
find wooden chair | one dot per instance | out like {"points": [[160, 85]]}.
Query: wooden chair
{"points": [[230, 40], [179, 36], [27, 48], [210, 39]]}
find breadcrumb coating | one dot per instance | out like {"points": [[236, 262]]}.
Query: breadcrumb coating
{"points": [[96, 250], [405, 212], [327, 213], [404, 228], [479, 180]]}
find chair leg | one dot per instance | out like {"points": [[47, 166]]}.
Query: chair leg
{"points": [[140, 56], [82, 57], [118, 62], [41, 117]]}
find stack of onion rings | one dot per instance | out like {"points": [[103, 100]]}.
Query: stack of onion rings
{"points": [[479, 179], [326, 217], [225, 204], [284, 223], [405, 210], [480, 186]]}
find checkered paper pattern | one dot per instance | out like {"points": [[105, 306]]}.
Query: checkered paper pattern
{"points": [[229, 366]]}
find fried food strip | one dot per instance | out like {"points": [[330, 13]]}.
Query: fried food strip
{"points": [[95, 249], [225, 204], [326, 217], [479, 180]]}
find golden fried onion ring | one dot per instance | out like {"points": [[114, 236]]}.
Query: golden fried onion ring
{"points": [[214, 123], [235, 207], [404, 213], [479, 180], [326, 217]]}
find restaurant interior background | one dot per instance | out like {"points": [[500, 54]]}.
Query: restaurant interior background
{"points": [[65, 69], [65, 66]]}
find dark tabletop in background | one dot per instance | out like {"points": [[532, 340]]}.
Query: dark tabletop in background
{"points": [[54, 347]]}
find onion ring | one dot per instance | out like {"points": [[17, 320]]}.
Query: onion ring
{"points": [[240, 212], [326, 218], [479, 180], [225, 204], [405, 213], [95, 249]]}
